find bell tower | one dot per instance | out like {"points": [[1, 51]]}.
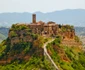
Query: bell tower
{"points": [[34, 18]]}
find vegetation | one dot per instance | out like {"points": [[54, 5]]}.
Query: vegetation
{"points": [[67, 28], [13, 34], [28, 55], [39, 42], [18, 27], [66, 58], [77, 39], [34, 63]]}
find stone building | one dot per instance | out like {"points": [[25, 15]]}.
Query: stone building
{"points": [[42, 28], [49, 29]]}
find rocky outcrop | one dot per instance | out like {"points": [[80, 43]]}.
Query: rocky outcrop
{"points": [[23, 32]]}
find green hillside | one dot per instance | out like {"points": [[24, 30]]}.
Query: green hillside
{"points": [[27, 51], [67, 58]]}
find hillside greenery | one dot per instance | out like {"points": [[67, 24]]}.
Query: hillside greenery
{"points": [[35, 62], [67, 58], [23, 55], [29, 55]]}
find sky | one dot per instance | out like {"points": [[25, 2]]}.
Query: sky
{"points": [[39, 5]]}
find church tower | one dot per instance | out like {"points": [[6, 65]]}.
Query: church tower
{"points": [[34, 18]]}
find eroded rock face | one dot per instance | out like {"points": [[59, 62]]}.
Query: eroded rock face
{"points": [[20, 33], [67, 32], [69, 35]]}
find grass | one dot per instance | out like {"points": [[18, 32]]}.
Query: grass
{"points": [[65, 57]]}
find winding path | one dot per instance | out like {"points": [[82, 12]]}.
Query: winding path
{"points": [[45, 52]]}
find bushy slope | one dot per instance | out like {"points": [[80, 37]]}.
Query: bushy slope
{"points": [[35, 63], [67, 58], [26, 55], [29, 55]]}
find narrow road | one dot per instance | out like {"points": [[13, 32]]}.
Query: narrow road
{"points": [[45, 52]]}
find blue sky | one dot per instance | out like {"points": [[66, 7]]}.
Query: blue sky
{"points": [[39, 5]]}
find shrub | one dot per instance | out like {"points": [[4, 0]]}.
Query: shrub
{"points": [[77, 39], [66, 66], [57, 41], [19, 27], [38, 42], [13, 34]]}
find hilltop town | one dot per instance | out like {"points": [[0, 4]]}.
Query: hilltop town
{"points": [[49, 29]]}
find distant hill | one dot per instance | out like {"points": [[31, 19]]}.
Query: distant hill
{"points": [[74, 17], [2, 37], [3, 33], [80, 31]]}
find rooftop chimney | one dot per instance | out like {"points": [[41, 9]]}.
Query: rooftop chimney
{"points": [[34, 18]]}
